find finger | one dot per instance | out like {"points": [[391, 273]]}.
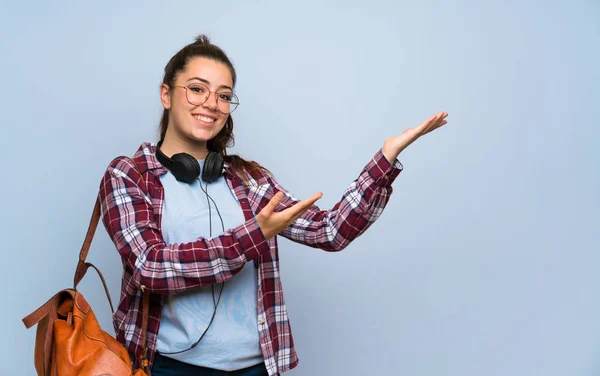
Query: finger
{"points": [[430, 120], [437, 122], [302, 206], [443, 118], [436, 127], [299, 213], [305, 204], [311, 200], [437, 115], [442, 115], [424, 127], [270, 207]]}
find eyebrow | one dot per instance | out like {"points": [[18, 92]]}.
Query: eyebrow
{"points": [[208, 83]]}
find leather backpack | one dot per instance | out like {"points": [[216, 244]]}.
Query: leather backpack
{"points": [[69, 339]]}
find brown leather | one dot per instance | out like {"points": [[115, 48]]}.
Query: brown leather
{"points": [[69, 340], [85, 248], [84, 268], [145, 310]]}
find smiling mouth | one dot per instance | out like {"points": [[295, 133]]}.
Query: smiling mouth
{"points": [[204, 119]]}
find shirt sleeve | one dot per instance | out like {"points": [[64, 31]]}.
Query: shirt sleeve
{"points": [[128, 216], [361, 204]]}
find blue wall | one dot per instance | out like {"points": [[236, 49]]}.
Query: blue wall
{"points": [[485, 261]]}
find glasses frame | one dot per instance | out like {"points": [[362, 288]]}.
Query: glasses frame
{"points": [[237, 103]]}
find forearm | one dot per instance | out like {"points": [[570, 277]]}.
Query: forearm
{"points": [[361, 204], [390, 154], [173, 268], [170, 268]]}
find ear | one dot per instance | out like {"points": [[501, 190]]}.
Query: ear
{"points": [[165, 96]]}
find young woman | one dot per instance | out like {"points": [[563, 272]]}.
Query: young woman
{"points": [[187, 219]]}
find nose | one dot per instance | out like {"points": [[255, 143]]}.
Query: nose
{"points": [[211, 103]]}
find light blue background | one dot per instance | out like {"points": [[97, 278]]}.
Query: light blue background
{"points": [[485, 261]]}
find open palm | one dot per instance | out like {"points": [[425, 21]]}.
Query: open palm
{"points": [[395, 144]]}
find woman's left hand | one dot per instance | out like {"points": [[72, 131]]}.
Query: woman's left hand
{"points": [[395, 144]]}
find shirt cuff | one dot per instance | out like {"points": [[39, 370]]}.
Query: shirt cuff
{"points": [[251, 239], [382, 171]]}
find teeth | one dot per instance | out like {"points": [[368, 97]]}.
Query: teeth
{"points": [[204, 119]]}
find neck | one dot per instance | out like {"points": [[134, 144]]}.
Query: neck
{"points": [[172, 144]]}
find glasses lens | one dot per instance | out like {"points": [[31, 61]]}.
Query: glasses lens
{"points": [[197, 94], [227, 102]]}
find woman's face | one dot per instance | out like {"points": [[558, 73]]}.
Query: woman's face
{"points": [[197, 121]]}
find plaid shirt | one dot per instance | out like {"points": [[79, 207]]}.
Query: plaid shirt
{"points": [[132, 211]]}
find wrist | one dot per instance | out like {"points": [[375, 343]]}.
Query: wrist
{"points": [[390, 155]]}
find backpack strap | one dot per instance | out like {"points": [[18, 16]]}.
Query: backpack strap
{"points": [[83, 266], [144, 363], [44, 317], [144, 356]]}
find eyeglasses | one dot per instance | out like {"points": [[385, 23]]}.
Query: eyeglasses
{"points": [[197, 94]]}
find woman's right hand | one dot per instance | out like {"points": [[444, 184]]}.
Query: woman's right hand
{"points": [[272, 222]]}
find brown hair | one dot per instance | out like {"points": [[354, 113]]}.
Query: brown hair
{"points": [[203, 48]]}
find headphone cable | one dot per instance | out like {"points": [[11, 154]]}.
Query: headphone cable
{"points": [[215, 304]]}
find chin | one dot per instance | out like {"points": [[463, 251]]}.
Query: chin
{"points": [[204, 135]]}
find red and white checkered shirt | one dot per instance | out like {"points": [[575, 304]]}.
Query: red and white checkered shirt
{"points": [[132, 211]]}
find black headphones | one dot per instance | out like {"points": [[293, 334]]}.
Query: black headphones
{"points": [[185, 167]]}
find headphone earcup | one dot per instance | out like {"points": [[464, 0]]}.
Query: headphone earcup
{"points": [[185, 168], [213, 167]]}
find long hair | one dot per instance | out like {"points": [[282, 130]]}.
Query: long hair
{"points": [[202, 47]]}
